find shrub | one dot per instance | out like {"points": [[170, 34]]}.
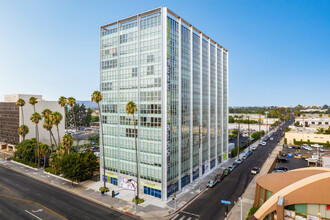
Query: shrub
{"points": [[251, 212], [285, 141], [139, 201], [102, 189], [31, 164]]}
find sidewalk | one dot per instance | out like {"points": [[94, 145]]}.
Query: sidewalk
{"points": [[249, 193]]}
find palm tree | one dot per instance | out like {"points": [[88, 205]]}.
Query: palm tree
{"points": [[62, 101], [71, 102], [33, 101], [48, 125], [67, 141], [131, 109], [304, 115], [20, 103], [97, 97], [35, 118], [44, 149], [57, 118], [54, 161], [23, 130]]}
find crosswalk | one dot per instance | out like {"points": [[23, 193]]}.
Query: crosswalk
{"points": [[185, 216]]}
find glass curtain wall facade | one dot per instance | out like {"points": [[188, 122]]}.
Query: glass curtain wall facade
{"points": [[176, 76]]}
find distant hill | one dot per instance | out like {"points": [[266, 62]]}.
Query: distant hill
{"points": [[88, 104]]}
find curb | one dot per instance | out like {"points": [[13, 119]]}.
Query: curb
{"points": [[187, 203], [69, 181], [72, 192], [22, 164]]}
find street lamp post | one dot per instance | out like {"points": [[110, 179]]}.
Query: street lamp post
{"points": [[249, 131], [267, 121], [239, 126]]}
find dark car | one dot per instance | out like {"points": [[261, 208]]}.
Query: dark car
{"points": [[281, 168], [282, 160], [226, 172], [219, 177], [235, 164]]}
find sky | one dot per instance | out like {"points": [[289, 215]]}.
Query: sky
{"points": [[279, 51]]}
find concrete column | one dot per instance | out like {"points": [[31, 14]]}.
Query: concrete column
{"points": [[180, 108]]}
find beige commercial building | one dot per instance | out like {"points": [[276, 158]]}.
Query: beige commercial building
{"points": [[301, 194], [11, 119], [306, 136]]}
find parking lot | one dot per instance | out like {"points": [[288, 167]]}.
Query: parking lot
{"points": [[296, 163]]}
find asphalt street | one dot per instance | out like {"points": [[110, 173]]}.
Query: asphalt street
{"points": [[22, 197], [208, 205]]}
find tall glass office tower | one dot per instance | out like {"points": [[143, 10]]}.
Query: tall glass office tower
{"points": [[178, 77]]}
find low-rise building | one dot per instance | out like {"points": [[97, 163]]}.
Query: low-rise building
{"points": [[310, 121], [296, 194], [11, 119], [306, 135]]}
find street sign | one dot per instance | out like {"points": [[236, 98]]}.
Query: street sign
{"points": [[225, 202]]}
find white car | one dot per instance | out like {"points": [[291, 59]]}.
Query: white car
{"points": [[239, 161], [307, 148], [254, 148], [263, 143], [97, 154], [271, 138]]}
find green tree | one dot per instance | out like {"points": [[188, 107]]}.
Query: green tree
{"points": [[20, 103], [67, 141], [23, 130], [131, 108], [33, 101], [97, 98], [56, 119], [44, 150], [62, 102], [78, 166], [26, 150], [71, 102], [35, 118], [54, 161]]}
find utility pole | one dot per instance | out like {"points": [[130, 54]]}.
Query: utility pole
{"points": [[239, 125], [267, 122], [249, 131]]}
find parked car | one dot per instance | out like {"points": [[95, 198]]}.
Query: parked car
{"points": [[307, 148], [97, 154], [282, 160], [254, 148], [235, 165], [271, 138], [278, 171], [211, 183], [255, 170], [231, 168], [297, 155], [249, 152], [281, 168], [289, 154], [219, 177], [263, 143], [244, 157], [239, 161], [289, 146], [226, 171]]}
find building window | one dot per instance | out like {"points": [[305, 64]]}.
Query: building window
{"points": [[150, 70], [150, 58], [134, 72]]}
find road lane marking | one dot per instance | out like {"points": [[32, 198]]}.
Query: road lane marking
{"points": [[39, 210], [33, 215], [25, 200], [189, 218], [182, 217], [175, 217], [189, 213], [5, 187]]}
